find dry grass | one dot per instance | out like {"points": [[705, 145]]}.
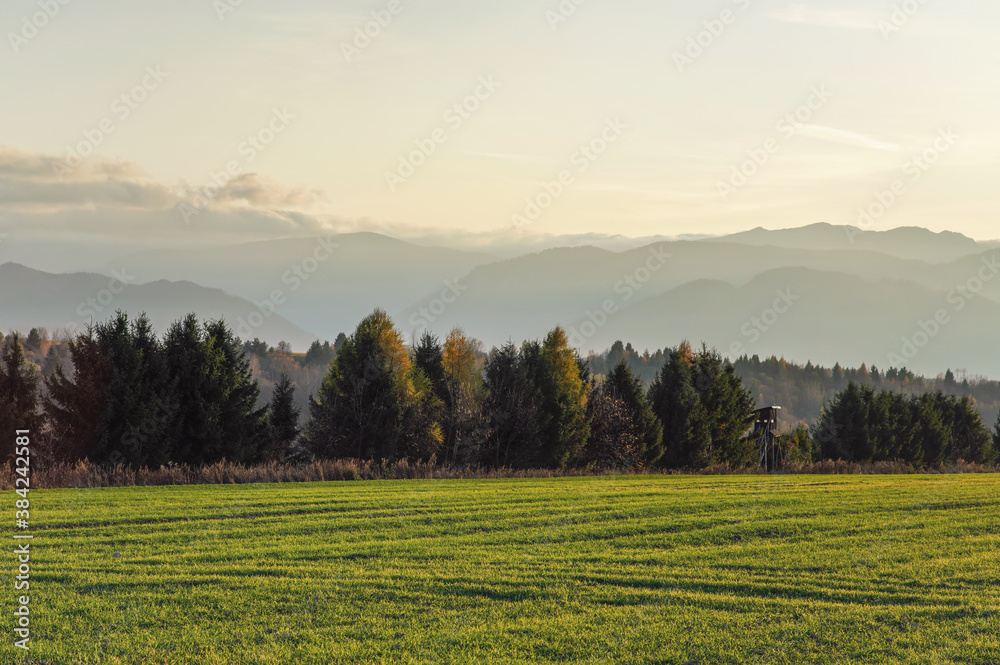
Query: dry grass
{"points": [[85, 474]]}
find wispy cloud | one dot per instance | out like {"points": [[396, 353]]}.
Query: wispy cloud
{"points": [[832, 18], [506, 156], [845, 137]]}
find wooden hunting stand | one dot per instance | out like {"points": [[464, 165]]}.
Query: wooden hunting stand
{"points": [[766, 429]]}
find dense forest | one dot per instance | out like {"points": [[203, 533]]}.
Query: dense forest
{"points": [[119, 394]]}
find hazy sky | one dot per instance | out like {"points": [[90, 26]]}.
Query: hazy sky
{"points": [[883, 88]]}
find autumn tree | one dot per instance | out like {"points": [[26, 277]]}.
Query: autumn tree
{"points": [[369, 405], [563, 401], [463, 386], [616, 436], [622, 384]]}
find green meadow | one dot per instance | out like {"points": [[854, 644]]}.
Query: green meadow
{"points": [[642, 569]]}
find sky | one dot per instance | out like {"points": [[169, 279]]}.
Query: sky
{"points": [[632, 117]]}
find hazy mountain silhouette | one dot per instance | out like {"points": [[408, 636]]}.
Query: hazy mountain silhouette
{"points": [[829, 318], [904, 242], [863, 297], [31, 298], [328, 295]]}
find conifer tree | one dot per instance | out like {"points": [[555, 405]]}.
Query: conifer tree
{"points": [[74, 406], [283, 418], [18, 395], [510, 408]]}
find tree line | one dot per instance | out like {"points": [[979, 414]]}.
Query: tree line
{"points": [[191, 397]]}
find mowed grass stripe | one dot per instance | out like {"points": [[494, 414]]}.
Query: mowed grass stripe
{"points": [[882, 569]]}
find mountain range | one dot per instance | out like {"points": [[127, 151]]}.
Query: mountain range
{"points": [[908, 296]]}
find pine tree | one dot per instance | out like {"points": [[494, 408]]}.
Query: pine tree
{"points": [[18, 395], [283, 418]]}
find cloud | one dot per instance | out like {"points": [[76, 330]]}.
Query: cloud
{"points": [[255, 191], [845, 137], [40, 197], [20, 164], [31, 181]]}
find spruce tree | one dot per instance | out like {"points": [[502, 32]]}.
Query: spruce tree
{"points": [[848, 417], [215, 395], [18, 395], [283, 418], [239, 426], [74, 406], [510, 409], [705, 410], [429, 357], [676, 403], [134, 429]]}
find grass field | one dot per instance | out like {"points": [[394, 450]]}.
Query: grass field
{"points": [[807, 569]]}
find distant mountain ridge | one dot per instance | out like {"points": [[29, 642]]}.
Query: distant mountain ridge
{"points": [[32, 298], [885, 283], [903, 242]]}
